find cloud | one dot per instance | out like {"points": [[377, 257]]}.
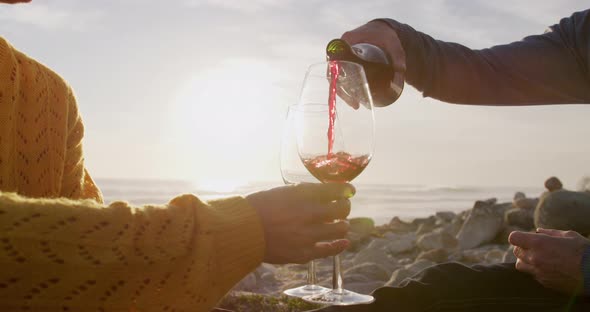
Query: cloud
{"points": [[50, 17], [251, 6]]}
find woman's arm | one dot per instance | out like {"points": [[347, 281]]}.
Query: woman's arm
{"points": [[85, 256]]}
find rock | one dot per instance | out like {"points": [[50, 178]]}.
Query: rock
{"points": [[449, 228], [398, 276], [523, 218], [483, 224], [265, 268], [405, 261], [553, 184], [397, 225], [363, 287], [473, 256], [420, 221], [374, 252], [362, 226], [446, 216], [564, 210], [399, 243], [494, 256], [248, 283], [485, 203], [455, 256], [408, 271], [420, 265], [476, 255], [435, 255], [425, 228], [584, 184], [509, 255], [393, 243], [265, 274], [355, 282], [435, 240], [300, 276], [526, 203], [378, 243], [518, 195], [455, 226], [350, 278], [429, 241], [462, 216], [372, 271], [347, 263], [356, 241]]}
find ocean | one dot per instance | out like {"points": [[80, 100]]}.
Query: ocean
{"points": [[381, 202]]}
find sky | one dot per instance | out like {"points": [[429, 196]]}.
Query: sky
{"points": [[198, 89]]}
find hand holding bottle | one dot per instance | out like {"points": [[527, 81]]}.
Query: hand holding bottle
{"points": [[376, 47], [378, 33]]}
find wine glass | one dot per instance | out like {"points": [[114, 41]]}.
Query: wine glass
{"points": [[334, 124], [293, 171]]}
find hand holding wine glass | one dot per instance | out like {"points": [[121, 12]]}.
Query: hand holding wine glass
{"points": [[295, 217]]}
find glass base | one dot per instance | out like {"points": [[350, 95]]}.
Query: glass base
{"points": [[306, 290], [343, 297]]}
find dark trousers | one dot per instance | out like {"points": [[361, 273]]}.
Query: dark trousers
{"points": [[455, 287]]}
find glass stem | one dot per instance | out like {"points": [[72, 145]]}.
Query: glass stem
{"points": [[311, 278], [337, 276]]}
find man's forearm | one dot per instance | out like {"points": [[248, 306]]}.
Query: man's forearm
{"points": [[545, 69]]}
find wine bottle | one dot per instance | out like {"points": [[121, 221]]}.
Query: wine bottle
{"points": [[385, 83]]}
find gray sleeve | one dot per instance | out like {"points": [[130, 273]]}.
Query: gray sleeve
{"points": [[551, 68]]}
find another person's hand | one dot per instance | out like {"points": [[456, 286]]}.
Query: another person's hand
{"points": [[380, 34], [298, 220], [553, 257]]}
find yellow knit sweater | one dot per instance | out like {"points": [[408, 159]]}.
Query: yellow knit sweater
{"points": [[61, 249]]}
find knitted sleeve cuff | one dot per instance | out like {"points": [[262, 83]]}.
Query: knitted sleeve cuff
{"points": [[586, 270]]}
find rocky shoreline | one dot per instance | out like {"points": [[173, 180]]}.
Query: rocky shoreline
{"points": [[385, 255]]}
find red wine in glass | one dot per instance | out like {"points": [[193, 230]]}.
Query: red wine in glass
{"points": [[340, 167]]}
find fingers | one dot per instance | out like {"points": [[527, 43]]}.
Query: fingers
{"points": [[354, 36], [524, 255], [379, 33], [328, 231], [525, 267], [557, 233], [394, 47], [551, 232], [326, 212], [523, 239], [325, 192], [338, 210]]}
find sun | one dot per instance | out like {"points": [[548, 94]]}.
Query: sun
{"points": [[225, 124]]}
